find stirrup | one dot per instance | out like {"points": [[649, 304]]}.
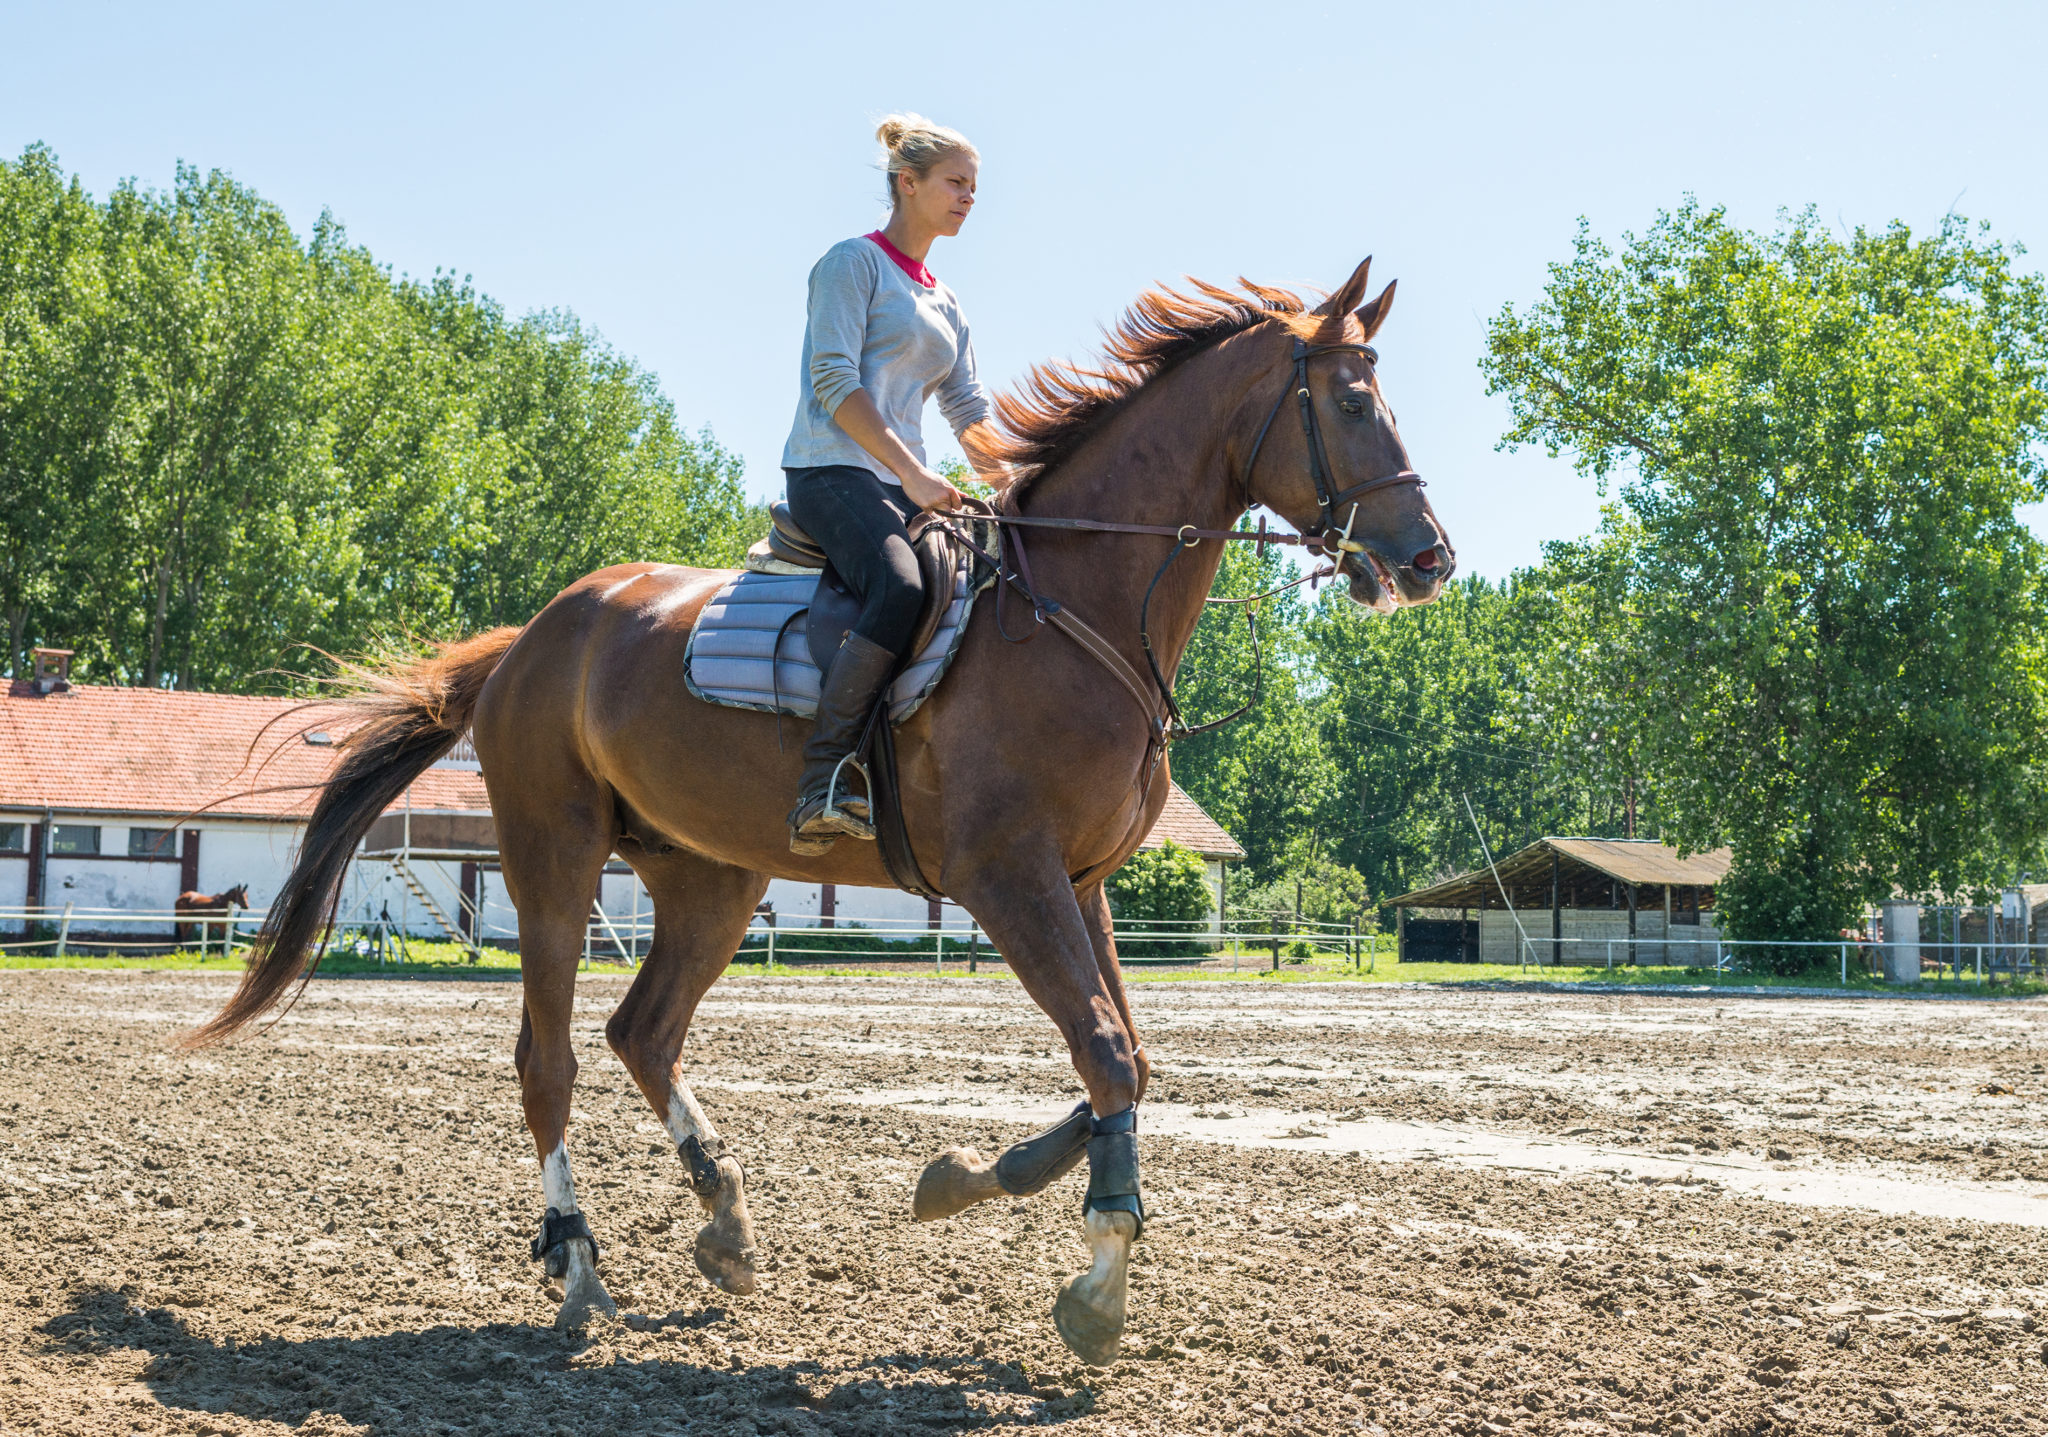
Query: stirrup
{"points": [[834, 821]]}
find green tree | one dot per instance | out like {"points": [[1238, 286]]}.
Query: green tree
{"points": [[1414, 709], [1813, 571], [1264, 777], [217, 442]]}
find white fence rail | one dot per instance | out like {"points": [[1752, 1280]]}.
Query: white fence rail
{"points": [[71, 927], [773, 939]]}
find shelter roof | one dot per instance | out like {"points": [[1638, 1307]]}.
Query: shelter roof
{"points": [[1189, 824], [163, 752], [1586, 870]]}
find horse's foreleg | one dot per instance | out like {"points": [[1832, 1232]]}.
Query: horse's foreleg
{"points": [[1094, 905], [1034, 916], [960, 1177], [701, 911]]}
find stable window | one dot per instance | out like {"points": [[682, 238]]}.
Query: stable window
{"points": [[152, 843], [13, 838], [75, 838]]}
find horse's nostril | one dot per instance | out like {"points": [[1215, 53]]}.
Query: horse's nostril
{"points": [[1425, 562]]}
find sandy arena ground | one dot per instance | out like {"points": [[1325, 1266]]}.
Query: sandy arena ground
{"points": [[1373, 1209]]}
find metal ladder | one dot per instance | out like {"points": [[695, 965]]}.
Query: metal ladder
{"points": [[426, 901]]}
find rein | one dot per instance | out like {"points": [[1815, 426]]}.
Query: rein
{"points": [[1325, 539]]}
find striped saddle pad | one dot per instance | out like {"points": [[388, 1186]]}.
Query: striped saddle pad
{"points": [[749, 649]]}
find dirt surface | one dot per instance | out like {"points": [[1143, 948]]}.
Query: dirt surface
{"points": [[325, 1230]]}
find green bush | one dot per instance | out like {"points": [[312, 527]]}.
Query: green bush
{"points": [[1168, 884]]}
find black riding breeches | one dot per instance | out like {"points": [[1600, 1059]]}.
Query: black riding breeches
{"points": [[861, 524]]}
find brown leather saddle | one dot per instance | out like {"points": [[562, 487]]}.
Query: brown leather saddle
{"points": [[835, 607]]}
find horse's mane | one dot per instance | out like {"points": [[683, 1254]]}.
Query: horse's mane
{"points": [[1059, 404]]}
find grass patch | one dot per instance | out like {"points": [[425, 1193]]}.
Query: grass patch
{"points": [[452, 960]]}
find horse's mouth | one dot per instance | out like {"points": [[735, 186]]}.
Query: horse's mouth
{"points": [[1371, 582], [1379, 586]]}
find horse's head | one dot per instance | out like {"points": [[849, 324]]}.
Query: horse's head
{"points": [[236, 897], [1336, 465]]}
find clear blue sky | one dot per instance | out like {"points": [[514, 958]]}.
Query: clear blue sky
{"points": [[669, 172]]}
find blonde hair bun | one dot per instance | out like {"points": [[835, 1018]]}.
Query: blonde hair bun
{"points": [[913, 144]]}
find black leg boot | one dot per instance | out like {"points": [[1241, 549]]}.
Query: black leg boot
{"points": [[825, 808]]}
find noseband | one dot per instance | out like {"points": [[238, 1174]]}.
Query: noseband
{"points": [[1327, 498]]}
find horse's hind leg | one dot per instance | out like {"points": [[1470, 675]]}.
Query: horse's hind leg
{"points": [[552, 871], [958, 1178], [701, 911]]}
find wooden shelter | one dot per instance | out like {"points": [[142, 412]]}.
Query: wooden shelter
{"points": [[1576, 901]]}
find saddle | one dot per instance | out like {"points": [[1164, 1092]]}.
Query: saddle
{"points": [[745, 651], [835, 607]]}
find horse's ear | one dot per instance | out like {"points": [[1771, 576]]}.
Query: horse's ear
{"points": [[1373, 315], [1347, 298]]}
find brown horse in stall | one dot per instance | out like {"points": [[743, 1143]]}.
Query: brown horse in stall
{"points": [[1028, 777]]}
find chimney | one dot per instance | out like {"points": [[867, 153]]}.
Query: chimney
{"points": [[53, 671]]}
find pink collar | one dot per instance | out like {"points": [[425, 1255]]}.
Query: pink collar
{"points": [[903, 261]]}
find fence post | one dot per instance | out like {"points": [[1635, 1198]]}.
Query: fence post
{"points": [[769, 962], [939, 951], [973, 946], [64, 929], [1845, 965]]}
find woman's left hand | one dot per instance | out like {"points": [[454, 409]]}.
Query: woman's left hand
{"points": [[927, 489]]}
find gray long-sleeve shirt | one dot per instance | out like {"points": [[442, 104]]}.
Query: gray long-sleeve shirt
{"points": [[873, 327]]}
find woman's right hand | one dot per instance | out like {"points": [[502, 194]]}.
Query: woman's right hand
{"points": [[928, 489]]}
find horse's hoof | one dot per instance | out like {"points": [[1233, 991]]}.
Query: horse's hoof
{"points": [[954, 1181], [725, 1245], [585, 1297], [729, 1269], [1091, 1334]]}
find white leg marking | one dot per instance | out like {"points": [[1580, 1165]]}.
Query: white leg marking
{"points": [[556, 1183], [582, 1290], [685, 1119]]}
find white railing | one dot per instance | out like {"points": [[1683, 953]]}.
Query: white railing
{"points": [[71, 927], [1725, 954]]}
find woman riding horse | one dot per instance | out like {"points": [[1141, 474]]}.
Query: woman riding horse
{"points": [[882, 335]]}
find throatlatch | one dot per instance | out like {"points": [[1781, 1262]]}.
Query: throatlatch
{"points": [[556, 1229], [1113, 1166], [1038, 1162]]}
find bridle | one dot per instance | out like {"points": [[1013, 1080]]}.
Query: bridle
{"points": [[1324, 537], [1327, 499]]}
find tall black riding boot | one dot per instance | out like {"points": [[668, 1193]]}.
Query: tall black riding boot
{"points": [[825, 808]]}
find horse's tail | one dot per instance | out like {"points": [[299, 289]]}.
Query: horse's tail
{"points": [[412, 710]]}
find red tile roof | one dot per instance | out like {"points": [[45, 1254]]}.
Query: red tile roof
{"points": [[156, 751], [1188, 824]]}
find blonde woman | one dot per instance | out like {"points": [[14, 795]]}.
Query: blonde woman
{"points": [[883, 335]]}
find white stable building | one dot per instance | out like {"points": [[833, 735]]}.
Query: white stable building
{"points": [[113, 801]]}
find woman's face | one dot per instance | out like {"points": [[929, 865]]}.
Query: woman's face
{"points": [[940, 200]]}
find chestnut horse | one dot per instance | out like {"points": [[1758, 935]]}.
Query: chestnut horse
{"points": [[1027, 778], [194, 904]]}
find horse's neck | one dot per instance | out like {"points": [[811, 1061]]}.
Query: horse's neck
{"points": [[1162, 460]]}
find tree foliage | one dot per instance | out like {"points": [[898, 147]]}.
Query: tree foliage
{"points": [[1811, 620], [217, 441]]}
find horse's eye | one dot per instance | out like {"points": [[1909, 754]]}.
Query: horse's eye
{"points": [[1353, 407]]}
